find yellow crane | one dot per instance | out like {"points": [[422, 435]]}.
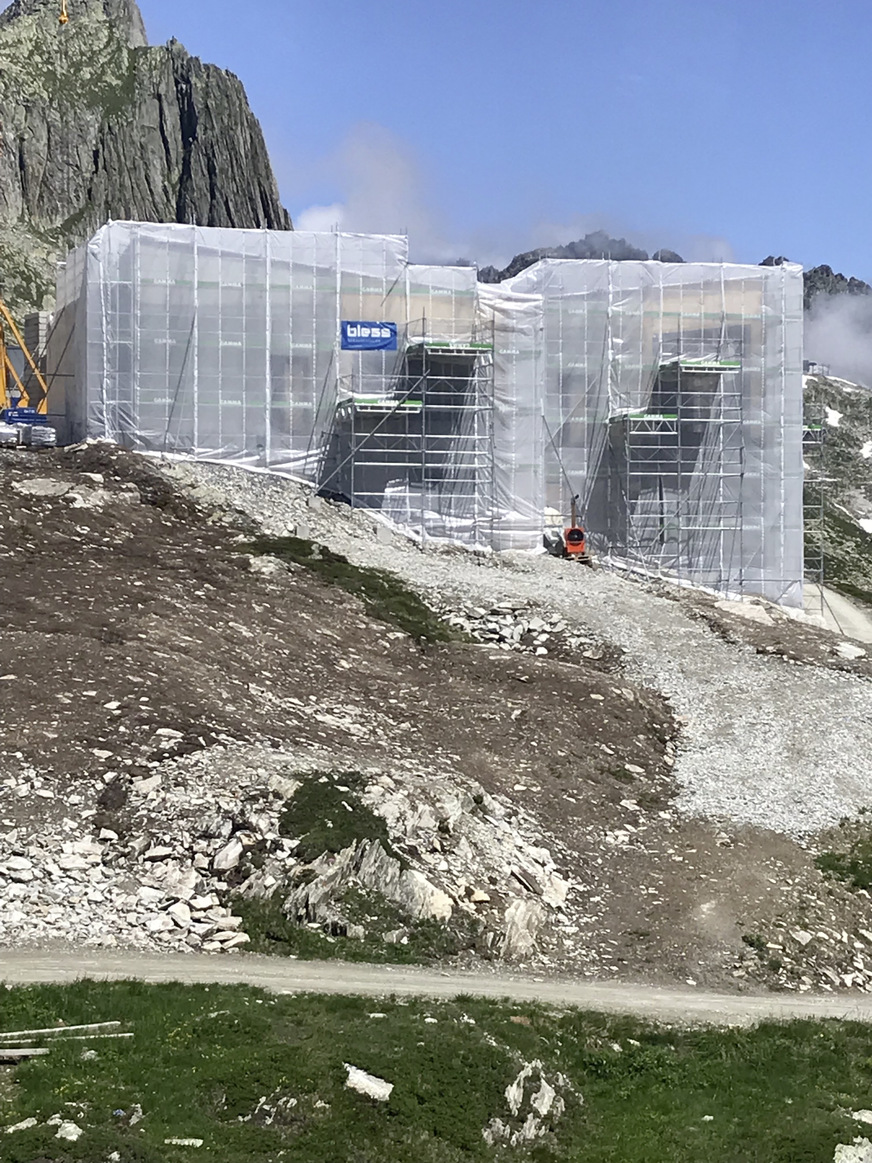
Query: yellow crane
{"points": [[34, 394]]}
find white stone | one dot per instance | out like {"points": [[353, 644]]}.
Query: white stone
{"points": [[147, 786], [158, 852], [555, 890], [160, 924], [230, 924], [862, 1116], [180, 913], [41, 487], [19, 864], [228, 857], [368, 1084], [25, 1125], [283, 786], [72, 863], [746, 610], [850, 651], [543, 1099], [523, 919], [70, 1132], [860, 1151], [150, 896]]}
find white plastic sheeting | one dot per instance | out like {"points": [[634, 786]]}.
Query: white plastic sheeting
{"points": [[668, 397], [225, 343], [518, 496], [673, 408]]}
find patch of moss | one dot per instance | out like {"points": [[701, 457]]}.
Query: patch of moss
{"points": [[854, 867], [384, 595], [756, 942], [327, 814]]}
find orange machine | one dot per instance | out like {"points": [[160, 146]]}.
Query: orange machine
{"points": [[575, 539]]}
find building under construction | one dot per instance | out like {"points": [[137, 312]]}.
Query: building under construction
{"points": [[667, 397]]}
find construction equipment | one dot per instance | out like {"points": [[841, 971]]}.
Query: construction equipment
{"points": [[23, 402], [575, 538], [64, 16]]}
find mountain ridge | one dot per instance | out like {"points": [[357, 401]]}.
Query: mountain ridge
{"points": [[98, 124]]}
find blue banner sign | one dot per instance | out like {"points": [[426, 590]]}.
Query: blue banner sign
{"points": [[361, 336], [24, 416]]}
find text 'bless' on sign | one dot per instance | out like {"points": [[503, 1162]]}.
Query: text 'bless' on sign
{"points": [[362, 336]]}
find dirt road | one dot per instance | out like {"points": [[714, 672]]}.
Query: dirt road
{"points": [[291, 976]]}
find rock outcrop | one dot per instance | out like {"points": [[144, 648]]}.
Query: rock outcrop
{"points": [[596, 245], [95, 124]]}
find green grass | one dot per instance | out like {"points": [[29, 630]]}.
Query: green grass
{"points": [[203, 1059], [327, 814], [384, 595], [851, 860], [426, 941], [847, 556]]}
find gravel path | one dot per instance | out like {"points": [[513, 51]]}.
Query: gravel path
{"points": [[285, 975], [765, 742]]}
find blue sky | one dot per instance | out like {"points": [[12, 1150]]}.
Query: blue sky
{"points": [[721, 128]]}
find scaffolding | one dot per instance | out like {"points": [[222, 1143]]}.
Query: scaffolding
{"points": [[420, 448], [815, 489], [682, 462], [673, 409], [667, 396]]}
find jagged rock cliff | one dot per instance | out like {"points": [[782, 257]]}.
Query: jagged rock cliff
{"points": [[596, 245], [95, 124]]}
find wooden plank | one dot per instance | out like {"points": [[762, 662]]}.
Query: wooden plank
{"points": [[16, 1034]]}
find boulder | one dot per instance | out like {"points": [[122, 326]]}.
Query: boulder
{"points": [[41, 487], [747, 610], [228, 857], [69, 1131], [368, 1084], [860, 1151], [180, 913], [523, 920]]}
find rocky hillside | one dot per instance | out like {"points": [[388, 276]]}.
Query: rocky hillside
{"points": [[219, 733], [96, 125], [839, 483]]}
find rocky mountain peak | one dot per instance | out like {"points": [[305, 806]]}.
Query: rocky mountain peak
{"points": [[96, 125], [123, 15]]}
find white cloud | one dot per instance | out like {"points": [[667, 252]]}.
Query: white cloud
{"points": [[838, 334], [321, 218], [383, 192], [386, 190]]}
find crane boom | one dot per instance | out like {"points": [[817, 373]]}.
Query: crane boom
{"points": [[41, 405]]}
